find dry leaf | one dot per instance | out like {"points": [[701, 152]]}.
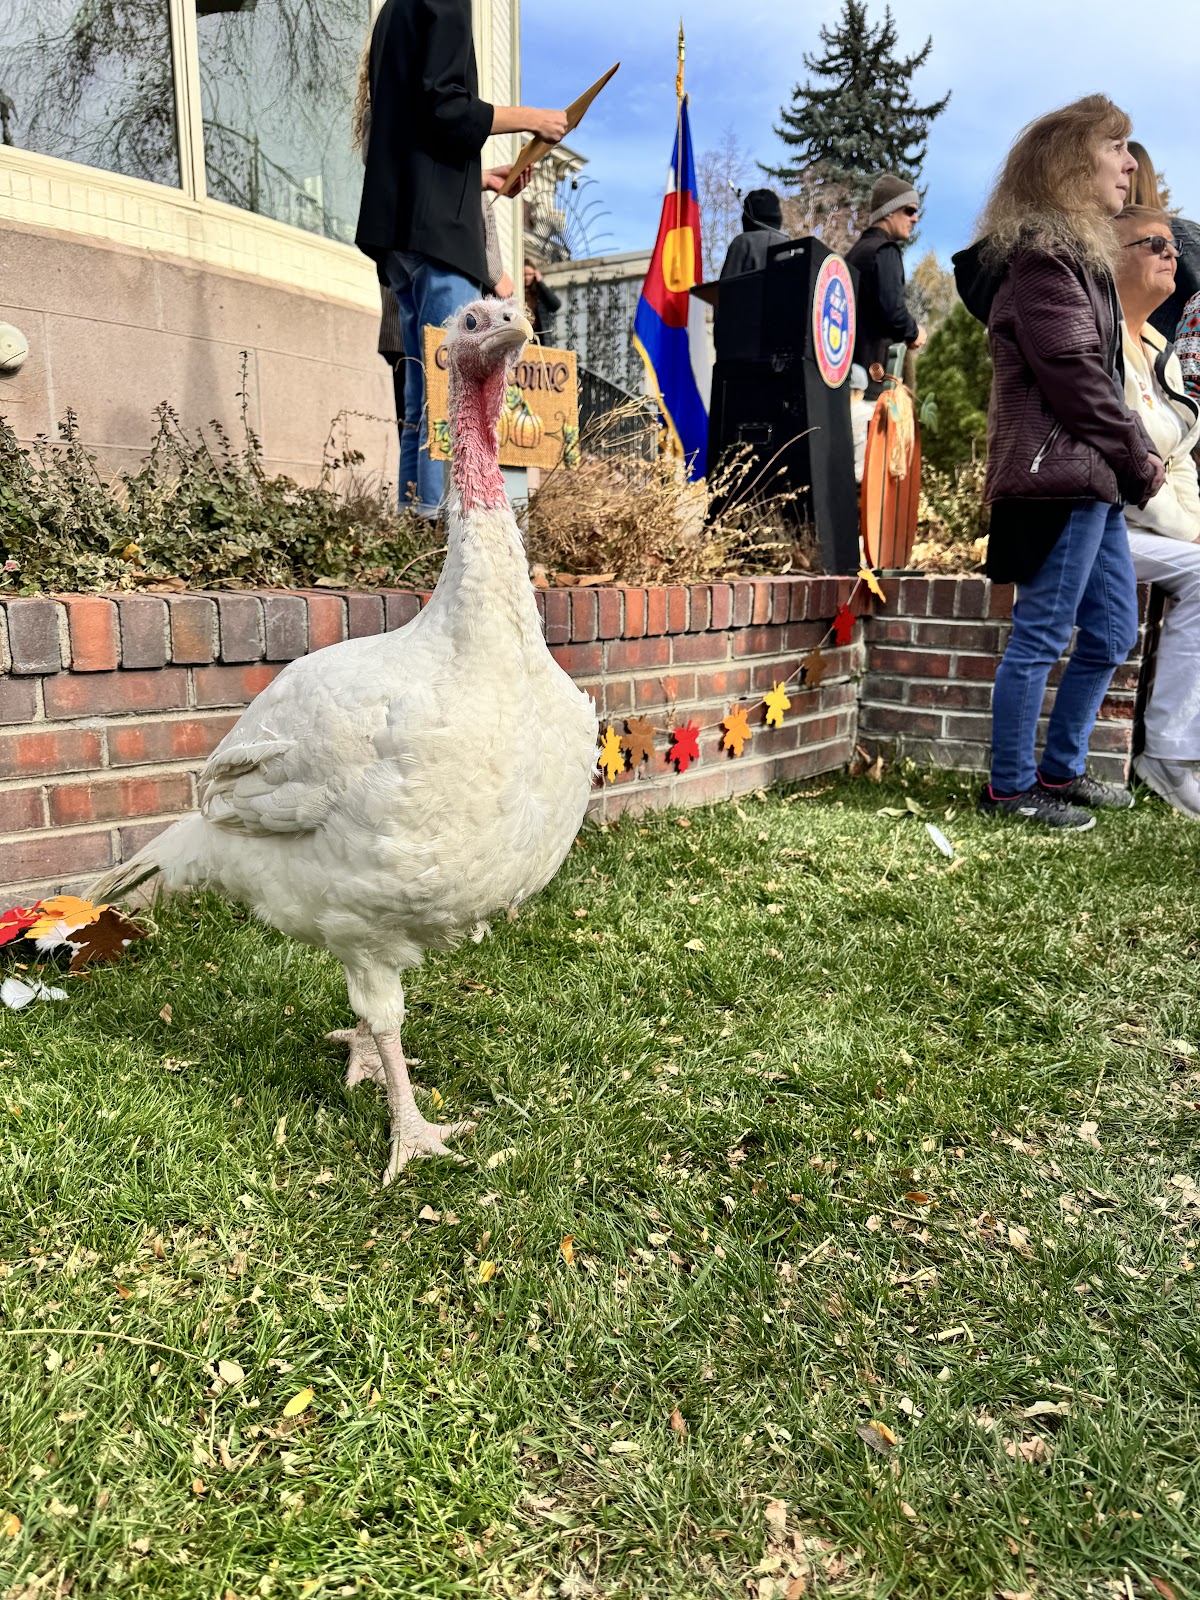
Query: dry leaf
{"points": [[199, 1487], [622, 1447], [428, 1214], [10, 1525], [775, 1516], [1164, 1588], [487, 1271], [694, 944], [1035, 1451], [678, 1424], [567, 1247], [499, 1157], [230, 1372], [916, 1198], [1048, 1408], [281, 1133], [877, 1436], [165, 1013], [298, 1403]]}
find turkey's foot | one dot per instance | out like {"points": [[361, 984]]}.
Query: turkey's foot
{"points": [[365, 1061], [422, 1139]]}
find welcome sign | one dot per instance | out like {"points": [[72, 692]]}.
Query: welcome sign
{"points": [[539, 426]]}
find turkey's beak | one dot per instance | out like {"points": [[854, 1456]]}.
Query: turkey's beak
{"points": [[510, 335]]}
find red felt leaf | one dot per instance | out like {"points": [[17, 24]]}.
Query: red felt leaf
{"points": [[685, 746], [843, 624], [14, 922]]}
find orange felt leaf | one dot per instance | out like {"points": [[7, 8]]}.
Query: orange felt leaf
{"points": [[737, 730], [872, 582], [612, 757]]}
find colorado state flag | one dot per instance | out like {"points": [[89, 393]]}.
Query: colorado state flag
{"points": [[669, 328]]}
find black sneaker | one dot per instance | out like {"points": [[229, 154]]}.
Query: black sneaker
{"points": [[1035, 805], [1090, 792]]}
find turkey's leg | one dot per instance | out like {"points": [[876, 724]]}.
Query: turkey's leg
{"points": [[364, 1057], [412, 1136]]}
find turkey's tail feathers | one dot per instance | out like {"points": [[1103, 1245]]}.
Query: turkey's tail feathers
{"points": [[172, 852], [122, 880]]}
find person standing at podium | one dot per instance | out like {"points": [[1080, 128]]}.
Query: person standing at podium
{"points": [[762, 226], [883, 315]]}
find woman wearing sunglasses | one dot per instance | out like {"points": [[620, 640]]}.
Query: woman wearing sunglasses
{"points": [[1144, 191], [1064, 452], [1163, 533]]}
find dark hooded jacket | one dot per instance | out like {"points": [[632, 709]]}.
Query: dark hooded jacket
{"points": [[882, 314], [762, 225], [1058, 427]]}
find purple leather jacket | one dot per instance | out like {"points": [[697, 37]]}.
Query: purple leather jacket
{"points": [[1058, 426]]}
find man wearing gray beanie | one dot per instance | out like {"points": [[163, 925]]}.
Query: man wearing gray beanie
{"points": [[883, 317]]}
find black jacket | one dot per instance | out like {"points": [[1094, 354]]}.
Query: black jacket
{"points": [[748, 251], [883, 317], [428, 124]]}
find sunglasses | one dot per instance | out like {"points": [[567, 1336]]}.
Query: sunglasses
{"points": [[1158, 246], [909, 211]]}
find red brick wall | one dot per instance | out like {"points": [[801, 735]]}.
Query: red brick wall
{"points": [[932, 654], [109, 706]]}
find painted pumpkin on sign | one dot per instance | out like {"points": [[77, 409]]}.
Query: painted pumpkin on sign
{"points": [[525, 429]]}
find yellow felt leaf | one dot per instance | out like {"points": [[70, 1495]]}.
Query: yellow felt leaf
{"points": [[737, 730], [612, 756], [298, 1403], [872, 583], [776, 702]]}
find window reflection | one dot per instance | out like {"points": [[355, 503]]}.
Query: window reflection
{"points": [[276, 88], [90, 81]]}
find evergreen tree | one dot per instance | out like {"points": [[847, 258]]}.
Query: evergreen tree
{"points": [[859, 117], [955, 368]]}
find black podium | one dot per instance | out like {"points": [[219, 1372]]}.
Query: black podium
{"points": [[784, 344]]}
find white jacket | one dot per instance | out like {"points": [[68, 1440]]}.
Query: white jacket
{"points": [[1174, 511]]}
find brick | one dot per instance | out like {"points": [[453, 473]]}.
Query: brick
{"points": [[137, 835], [558, 616], [977, 669], [98, 694], [957, 635], [578, 659], [49, 855], [285, 626], [804, 635], [909, 663], [880, 687], [977, 729], [193, 629], [635, 613], [720, 606], [240, 625], [232, 686], [943, 596], [657, 695], [364, 615], [23, 755], [637, 655], [728, 685], [1000, 600], [893, 630], [610, 621], [898, 719], [761, 641], [677, 609], [171, 739], [326, 620], [781, 599], [585, 615], [801, 593], [949, 696], [760, 611], [911, 597], [33, 636], [823, 599], [656, 611], [21, 811], [693, 647], [743, 604], [972, 597], [93, 633], [144, 631], [18, 700], [618, 697], [699, 607], [116, 801]]}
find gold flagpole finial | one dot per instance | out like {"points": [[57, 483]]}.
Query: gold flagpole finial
{"points": [[679, 69]]}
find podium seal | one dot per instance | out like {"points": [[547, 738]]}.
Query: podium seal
{"points": [[833, 321]]}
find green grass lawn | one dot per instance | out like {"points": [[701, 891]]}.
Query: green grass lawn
{"points": [[878, 1173]]}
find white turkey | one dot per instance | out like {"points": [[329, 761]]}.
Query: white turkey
{"points": [[387, 795]]}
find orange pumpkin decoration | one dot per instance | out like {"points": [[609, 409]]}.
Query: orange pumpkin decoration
{"points": [[525, 429]]}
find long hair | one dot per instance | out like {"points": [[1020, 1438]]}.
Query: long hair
{"points": [[1143, 186], [360, 117], [1044, 198]]}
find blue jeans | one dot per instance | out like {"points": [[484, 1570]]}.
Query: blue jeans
{"points": [[1087, 582], [427, 293]]}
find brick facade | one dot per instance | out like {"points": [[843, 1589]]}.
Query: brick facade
{"points": [[109, 706]]}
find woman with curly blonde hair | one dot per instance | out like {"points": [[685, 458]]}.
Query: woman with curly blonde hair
{"points": [[1064, 452]]}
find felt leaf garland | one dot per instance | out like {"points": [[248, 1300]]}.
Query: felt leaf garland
{"points": [[814, 668], [737, 731], [872, 582], [612, 757], [843, 624], [14, 922], [685, 746], [638, 742], [105, 939], [776, 702]]}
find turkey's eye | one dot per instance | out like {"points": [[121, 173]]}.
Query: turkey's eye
{"points": [[470, 322]]}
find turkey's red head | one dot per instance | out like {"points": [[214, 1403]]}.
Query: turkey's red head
{"points": [[483, 342]]}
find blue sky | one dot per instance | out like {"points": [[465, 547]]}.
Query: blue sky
{"points": [[1005, 62]]}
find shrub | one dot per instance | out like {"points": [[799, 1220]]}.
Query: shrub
{"points": [[952, 520], [955, 369]]}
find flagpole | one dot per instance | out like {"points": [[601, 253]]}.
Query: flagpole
{"points": [[679, 129]]}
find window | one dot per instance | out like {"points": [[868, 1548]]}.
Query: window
{"points": [[277, 81], [90, 81]]}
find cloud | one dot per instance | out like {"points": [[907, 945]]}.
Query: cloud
{"points": [[1004, 65]]}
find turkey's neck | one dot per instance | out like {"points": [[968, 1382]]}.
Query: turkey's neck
{"points": [[475, 414]]}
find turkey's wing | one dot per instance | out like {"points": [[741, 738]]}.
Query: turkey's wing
{"points": [[254, 787]]}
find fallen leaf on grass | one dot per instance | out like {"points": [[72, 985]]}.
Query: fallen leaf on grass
{"points": [[57, 1509], [775, 1516], [165, 1013], [916, 1198], [694, 944], [622, 1447], [199, 1487], [1035, 1452], [10, 1525], [230, 1372], [877, 1436], [678, 1424], [428, 1214], [1164, 1588], [1047, 1408], [487, 1271], [298, 1403], [499, 1157], [1086, 1133], [567, 1248]]}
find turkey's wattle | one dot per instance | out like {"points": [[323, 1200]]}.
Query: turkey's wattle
{"points": [[389, 794]]}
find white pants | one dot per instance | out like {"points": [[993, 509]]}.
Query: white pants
{"points": [[1173, 714]]}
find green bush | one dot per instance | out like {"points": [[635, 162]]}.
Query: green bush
{"points": [[199, 510], [955, 369]]}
